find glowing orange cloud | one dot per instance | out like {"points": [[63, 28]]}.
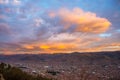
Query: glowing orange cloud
{"points": [[62, 47], [84, 21], [57, 46], [44, 47], [28, 46], [52, 14]]}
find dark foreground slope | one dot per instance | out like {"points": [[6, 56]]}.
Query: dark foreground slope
{"points": [[13, 73]]}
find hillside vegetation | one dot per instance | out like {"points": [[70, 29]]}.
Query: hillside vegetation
{"points": [[13, 73]]}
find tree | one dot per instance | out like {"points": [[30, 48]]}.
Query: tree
{"points": [[13, 73]]}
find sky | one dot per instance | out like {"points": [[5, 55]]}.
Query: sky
{"points": [[59, 26]]}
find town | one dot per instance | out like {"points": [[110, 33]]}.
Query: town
{"points": [[77, 66]]}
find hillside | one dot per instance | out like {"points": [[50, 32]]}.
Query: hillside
{"points": [[7, 72]]}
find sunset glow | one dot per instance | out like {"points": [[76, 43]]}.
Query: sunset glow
{"points": [[54, 26]]}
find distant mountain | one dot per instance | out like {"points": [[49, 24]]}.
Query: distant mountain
{"points": [[73, 58]]}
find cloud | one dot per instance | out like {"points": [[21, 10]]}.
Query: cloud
{"points": [[107, 47], [58, 47], [4, 1], [39, 21], [7, 34], [3, 17], [83, 21], [14, 2], [63, 42], [63, 37], [62, 30], [4, 29], [79, 43]]}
